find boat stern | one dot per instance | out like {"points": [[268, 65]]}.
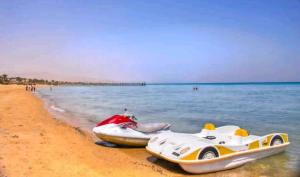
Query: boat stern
{"points": [[174, 147]]}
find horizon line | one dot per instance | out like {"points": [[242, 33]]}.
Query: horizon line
{"points": [[245, 83]]}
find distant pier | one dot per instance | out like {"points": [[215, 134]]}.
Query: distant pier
{"points": [[108, 83], [122, 84]]}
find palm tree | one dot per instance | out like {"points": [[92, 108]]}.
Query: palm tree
{"points": [[4, 79]]}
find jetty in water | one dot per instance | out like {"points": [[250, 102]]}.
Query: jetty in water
{"points": [[122, 84], [107, 83]]}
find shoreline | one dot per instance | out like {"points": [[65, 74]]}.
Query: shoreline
{"points": [[35, 142], [67, 117]]}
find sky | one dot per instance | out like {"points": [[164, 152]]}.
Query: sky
{"points": [[151, 41]]}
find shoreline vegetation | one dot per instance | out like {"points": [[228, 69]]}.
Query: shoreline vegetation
{"points": [[4, 79]]}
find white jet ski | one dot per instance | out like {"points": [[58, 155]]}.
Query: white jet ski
{"points": [[125, 130]]}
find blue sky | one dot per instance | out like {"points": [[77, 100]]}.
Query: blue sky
{"points": [[152, 41]]}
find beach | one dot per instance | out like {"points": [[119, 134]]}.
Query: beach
{"points": [[35, 143]]}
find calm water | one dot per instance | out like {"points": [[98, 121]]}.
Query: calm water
{"points": [[260, 108]]}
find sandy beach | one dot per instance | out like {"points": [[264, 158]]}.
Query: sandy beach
{"points": [[35, 143]]}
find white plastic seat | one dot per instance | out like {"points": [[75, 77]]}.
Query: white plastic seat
{"points": [[224, 130], [151, 127], [227, 130]]}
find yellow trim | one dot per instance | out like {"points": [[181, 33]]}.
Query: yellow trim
{"points": [[285, 137], [192, 156], [267, 141], [219, 158], [224, 150], [209, 126], [241, 132], [254, 145]]}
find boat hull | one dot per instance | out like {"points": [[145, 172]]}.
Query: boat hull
{"points": [[229, 163], [225, 163], [124, 141]]}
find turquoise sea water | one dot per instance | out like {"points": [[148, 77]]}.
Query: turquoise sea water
{"points": [[259, 108]]}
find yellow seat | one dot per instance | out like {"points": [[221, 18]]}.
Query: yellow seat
{"points": [[241, 132], [209, 126]]}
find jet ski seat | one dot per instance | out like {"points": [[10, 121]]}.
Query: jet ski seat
{"points": [[151, 127]]}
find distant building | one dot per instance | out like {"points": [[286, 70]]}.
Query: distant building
{"points": [[12, 81]]}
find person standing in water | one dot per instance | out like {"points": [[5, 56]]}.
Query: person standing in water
{"points": [[126, 113], [129, 115]]}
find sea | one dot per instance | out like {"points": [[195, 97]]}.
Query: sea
{"points": [[260, 108]]}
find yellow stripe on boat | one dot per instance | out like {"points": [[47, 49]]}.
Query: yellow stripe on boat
{"points": [[285, 137], [254, 145], [220, 158], [224, 150], [267, 141], [191, 156]]}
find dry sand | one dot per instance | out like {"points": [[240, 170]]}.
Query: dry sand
{"points": [[34, 143]]}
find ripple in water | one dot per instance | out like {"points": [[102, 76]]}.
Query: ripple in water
{"points": [[260, 108]]}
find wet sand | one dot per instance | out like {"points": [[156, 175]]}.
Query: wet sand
{"points": [[35, 143]]}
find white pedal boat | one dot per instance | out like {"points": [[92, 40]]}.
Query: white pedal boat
{"points": [[215, 149], [124, 130]]}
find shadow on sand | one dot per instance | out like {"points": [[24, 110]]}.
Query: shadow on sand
{"points": [[111, 145]]}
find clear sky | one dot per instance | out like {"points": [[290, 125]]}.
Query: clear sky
{"points": [[152, 41]]}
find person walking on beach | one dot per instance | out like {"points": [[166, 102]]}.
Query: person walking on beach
{"points": [[26, 87]]}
